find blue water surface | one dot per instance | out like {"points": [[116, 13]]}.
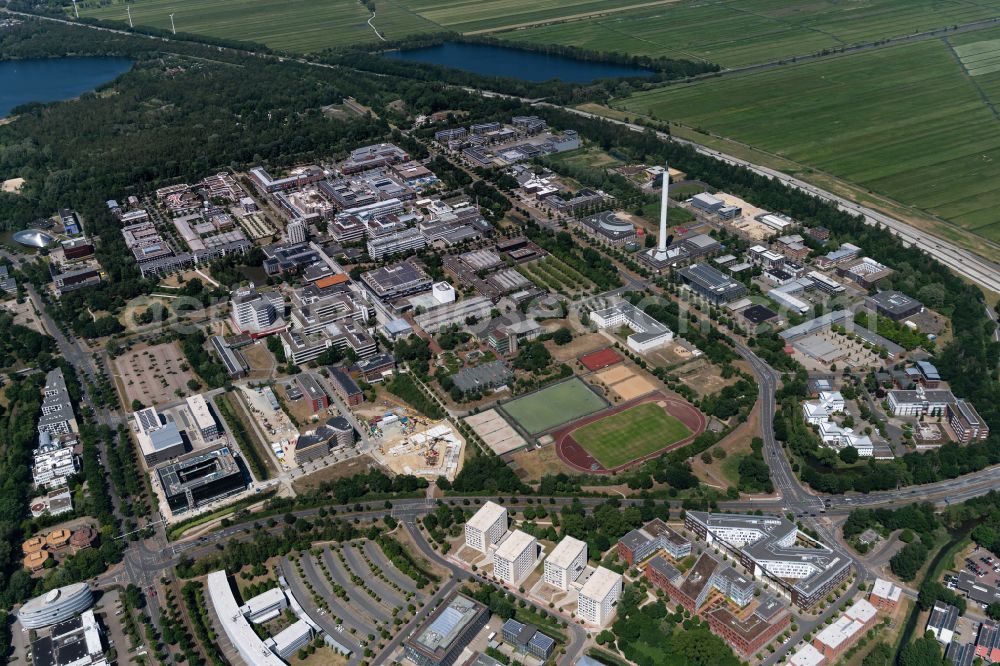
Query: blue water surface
{"points": [[489, 60], [52, 79]]}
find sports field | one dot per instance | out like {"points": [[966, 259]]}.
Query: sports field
{"points": [[630, 434], [752, 31], [291, 25], [904, 121], [553, 406]]}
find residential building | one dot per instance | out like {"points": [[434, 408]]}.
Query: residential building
{"points": [[486, 527], [297, 231], [515, 557], [750, 632], [565, 563], [336, 432], [444, 636], [654, 536], [835, 639], [599, 596], [885, 595]]}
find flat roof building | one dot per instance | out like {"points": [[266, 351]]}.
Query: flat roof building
{"points": [[599, 596], [895, 305], [486, 527], [648, 332], [207, 426], [447, 632], [200, 477], [565, 563], [708, 282], [235, 625], [773, 547], [482, 377], [400, 279], [515, 558]]}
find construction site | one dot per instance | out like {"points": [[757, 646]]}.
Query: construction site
{"points": [[411, 445]]}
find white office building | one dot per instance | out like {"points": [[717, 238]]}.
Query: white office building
{"points": [[296, 232], [515, 558], [486, 527], [599, 596], [648, 332], [566, 562], [203, 419]]}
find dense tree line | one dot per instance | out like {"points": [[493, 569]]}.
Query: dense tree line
{"points": [[487, 474]]}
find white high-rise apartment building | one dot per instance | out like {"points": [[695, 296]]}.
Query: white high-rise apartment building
{"points": [[515, 558], [599, 596], [565, 563], [486, 527]]}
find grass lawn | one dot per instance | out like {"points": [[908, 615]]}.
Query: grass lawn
{"points": [[631, 434], [292, 25], [752, 31], [730, 468], [553, 406], [903, 121]]}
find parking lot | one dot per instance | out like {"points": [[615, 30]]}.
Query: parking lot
{"points": [[359, 586]]}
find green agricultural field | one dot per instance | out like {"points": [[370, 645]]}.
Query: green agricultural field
{"points": [[482, 15], [905, 121], [752, 31], [631, 434], [554, 406], [291, 25]]}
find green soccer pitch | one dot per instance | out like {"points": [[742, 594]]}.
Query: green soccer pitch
{"points": [[630, 434]]}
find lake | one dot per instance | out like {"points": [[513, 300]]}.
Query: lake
{"points": [[490, 60], [53, 79]]}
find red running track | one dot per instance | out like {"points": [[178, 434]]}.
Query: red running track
{"points": [[577, 457]]}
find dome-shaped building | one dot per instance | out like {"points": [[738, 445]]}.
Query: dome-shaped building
{"points": [[33, 238], [55, 606]]}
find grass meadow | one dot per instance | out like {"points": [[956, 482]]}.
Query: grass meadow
{"points": [[291, 25], [903, 121], [630, 434]]}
